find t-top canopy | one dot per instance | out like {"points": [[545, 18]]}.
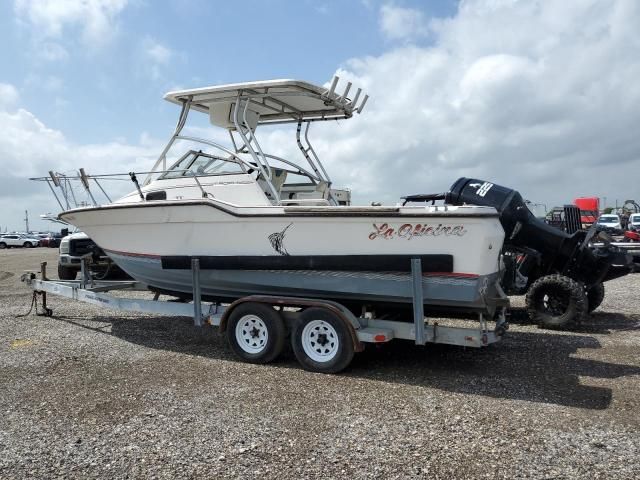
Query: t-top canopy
{"points": [[274, 101]]}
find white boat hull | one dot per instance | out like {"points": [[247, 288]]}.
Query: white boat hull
{"points": [[341, 253]]}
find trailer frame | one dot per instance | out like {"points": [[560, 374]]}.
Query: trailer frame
{"points": [[362, 329]]}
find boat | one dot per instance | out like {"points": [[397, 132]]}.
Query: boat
{"points": [[262, 224]]}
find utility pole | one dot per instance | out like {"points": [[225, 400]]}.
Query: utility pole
{"points": [[26, 220]]}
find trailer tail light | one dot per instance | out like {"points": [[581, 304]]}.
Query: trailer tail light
{"points": [[380, 338]]}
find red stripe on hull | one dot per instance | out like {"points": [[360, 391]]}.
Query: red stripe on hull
{"points": [[129, 254]]}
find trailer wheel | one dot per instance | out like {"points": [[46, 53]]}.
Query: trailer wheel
{"points": [[556, 301], [3, 245], [321, 341], [595, 296], [256, 332], [66, 273]]}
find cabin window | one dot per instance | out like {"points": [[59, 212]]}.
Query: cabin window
{"points": [[202, 164]]}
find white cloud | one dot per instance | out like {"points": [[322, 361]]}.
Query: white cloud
{"points": [[48, 19], [9, 95], [322, 9], [52, 52], [60, 102], [32, 148], [399, 23], [157, 57], [29, 148], [49, 83], [158, 53], [539, 96]]}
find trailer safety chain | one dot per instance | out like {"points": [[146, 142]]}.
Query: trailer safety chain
{"points": [[47, 312], [97, 276]]}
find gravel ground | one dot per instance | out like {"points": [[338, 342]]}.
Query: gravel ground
{"points": [[92, 393]]}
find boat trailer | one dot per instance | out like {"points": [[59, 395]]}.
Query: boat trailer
{"points": [[327, 346]]}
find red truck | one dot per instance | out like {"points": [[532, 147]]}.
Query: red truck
{"points": [[589, 210]]}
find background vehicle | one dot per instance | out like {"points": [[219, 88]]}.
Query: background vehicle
{"points": [[78, 245], [54, 239], [44, 239], [15, 240], [589, 210], [561, 275], [634, 222], [610, 223], [567, 218]]}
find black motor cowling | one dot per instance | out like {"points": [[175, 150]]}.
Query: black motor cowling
{"points": [[506, 201], [557, 251]]}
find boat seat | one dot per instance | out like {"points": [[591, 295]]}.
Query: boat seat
{"points": [[323, 189], [278, 177]]}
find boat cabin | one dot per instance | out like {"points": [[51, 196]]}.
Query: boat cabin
{"points": [[242, 173]]}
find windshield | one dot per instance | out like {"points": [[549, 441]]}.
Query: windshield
{"points": [[200, 164], [608, 219], [635, 219]]}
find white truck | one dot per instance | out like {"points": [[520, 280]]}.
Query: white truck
{"points": [[610, 223], [76, 246]]}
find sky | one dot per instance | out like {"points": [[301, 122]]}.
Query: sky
{"points": [[540, 96]]}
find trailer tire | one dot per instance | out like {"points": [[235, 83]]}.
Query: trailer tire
{"points": [[3, 245], [321, 341], [595, 296], [556, 302], [66, 273], [256, 332]]}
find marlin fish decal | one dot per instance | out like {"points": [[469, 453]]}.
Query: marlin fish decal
{"points": [[277, 241]]}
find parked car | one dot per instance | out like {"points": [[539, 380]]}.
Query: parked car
{"points": [[54, 240], [610, 223], [44, 239], [634, 222], [15, 240]]}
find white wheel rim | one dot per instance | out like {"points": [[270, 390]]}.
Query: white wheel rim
{"points": [[252, 334], [320, 341]]}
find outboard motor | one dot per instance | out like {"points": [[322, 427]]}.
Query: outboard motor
{"points": [[521, 228], [560, 273], [559, 252]]}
